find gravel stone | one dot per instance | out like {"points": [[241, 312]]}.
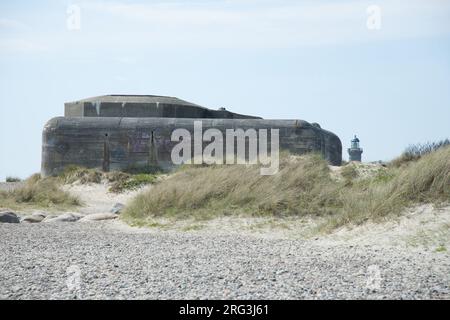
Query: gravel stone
{"points": [[65, 217], [99, 217], [34, 218], [117, 208], [9, 217], [99, 261]]}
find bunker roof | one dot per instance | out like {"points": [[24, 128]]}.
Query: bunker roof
{"points": [[142, 106], [128, 98]]}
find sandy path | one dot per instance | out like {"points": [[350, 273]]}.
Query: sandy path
{"points": [[97, 199]]}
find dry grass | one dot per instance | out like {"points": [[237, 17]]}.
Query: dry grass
{"points": [[38, 193], [73, 174], [118, 181], [349, 172], [122, 181], [416, 151], [225, 190], [302, 187]]}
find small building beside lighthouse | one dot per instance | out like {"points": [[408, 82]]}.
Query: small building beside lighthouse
{"points": [[355, 151]]}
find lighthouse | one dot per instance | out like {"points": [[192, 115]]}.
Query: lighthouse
{"points": [[355, 151]]}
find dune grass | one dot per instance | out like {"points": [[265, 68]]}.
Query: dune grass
{"points": [[82, 175], [118, 181], [38, 193], [303, 186], [416, 151], [47, 193], [121, 182]]}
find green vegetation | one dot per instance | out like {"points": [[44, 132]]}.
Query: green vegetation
{"points": [[416, 151], [38, 193], [73, 174], [303, 187], [47, 193], [13, 179], [122, 182], [119, 181], [349, 172], [193, 227]]}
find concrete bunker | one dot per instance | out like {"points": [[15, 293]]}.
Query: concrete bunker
{"points": [[133, 133]]}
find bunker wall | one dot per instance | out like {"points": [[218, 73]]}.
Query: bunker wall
{"points": [[137, 144]]}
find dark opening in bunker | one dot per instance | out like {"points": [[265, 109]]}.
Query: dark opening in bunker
{"points": [[106, 154], [152, 160]]}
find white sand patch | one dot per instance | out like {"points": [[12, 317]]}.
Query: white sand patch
{"points": [[421, 226], [96, 198]]}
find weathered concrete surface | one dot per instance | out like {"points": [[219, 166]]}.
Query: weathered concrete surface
{"points": [[143, 106], [128, 144], [133, 132]]}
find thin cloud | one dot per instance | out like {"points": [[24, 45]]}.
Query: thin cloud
{"points": [[12, 24], [21, 46], [231, 23], [228, 24]]}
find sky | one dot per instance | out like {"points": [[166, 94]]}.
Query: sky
{"points": [[378, 69]]}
